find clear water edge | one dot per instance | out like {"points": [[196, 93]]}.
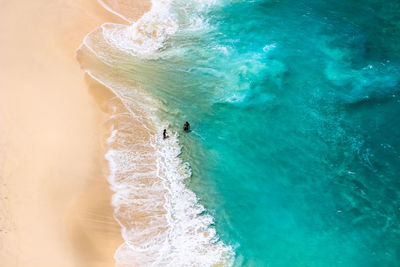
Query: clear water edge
{"points": [[295, 140]]}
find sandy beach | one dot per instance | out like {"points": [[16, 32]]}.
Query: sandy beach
{"points": [[55, 200]]}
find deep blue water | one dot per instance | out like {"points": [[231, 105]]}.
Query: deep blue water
{"points": [[295, 114]]}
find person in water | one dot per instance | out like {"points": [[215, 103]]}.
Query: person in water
{"points": [[165, 136], [186, 127]]}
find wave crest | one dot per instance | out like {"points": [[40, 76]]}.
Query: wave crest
{"points": [[162, 222]]}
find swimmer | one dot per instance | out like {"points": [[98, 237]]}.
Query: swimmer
{"points": [[186, 127]]}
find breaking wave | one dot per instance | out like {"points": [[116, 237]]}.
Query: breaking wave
{"points": [[162, 222]]}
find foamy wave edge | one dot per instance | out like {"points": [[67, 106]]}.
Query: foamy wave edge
{"points": [[189, 240]]}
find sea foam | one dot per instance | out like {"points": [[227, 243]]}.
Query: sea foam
{"points": [[162, 222], [147, 36]]}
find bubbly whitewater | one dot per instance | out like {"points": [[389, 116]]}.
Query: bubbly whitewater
{"points": [[162, 222], [294, 149]]}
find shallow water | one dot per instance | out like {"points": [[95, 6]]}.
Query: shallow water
{"points": [[295, 144], [294, 106]]}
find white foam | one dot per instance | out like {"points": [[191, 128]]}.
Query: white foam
{"points": [[269, 47], [162, 222], [148, 36], [178, 234]]}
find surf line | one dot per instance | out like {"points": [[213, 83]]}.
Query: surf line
{"points": [[162, 222]]}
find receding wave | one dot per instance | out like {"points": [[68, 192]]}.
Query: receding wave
{"points": [[162, 222]]}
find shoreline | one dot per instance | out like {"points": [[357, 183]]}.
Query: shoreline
{"points": [[162, 221], [54, 196]]}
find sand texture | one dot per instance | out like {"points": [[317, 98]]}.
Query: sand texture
{"points": [[54, 198]]}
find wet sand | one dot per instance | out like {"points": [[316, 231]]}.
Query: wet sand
{"points": [[54, 199]]}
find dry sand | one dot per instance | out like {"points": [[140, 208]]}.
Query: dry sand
{"points": [[54, 199]]}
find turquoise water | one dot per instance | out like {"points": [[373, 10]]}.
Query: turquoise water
{"points": [[294, 107]]}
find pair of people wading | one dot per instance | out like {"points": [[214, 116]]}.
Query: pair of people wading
{"points": [[186, 128]]}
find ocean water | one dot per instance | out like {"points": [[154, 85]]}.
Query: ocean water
{"points": [[294, 109]]}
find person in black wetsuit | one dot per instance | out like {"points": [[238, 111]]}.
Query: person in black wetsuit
{"points": [[186, 127], [165, 136]]}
